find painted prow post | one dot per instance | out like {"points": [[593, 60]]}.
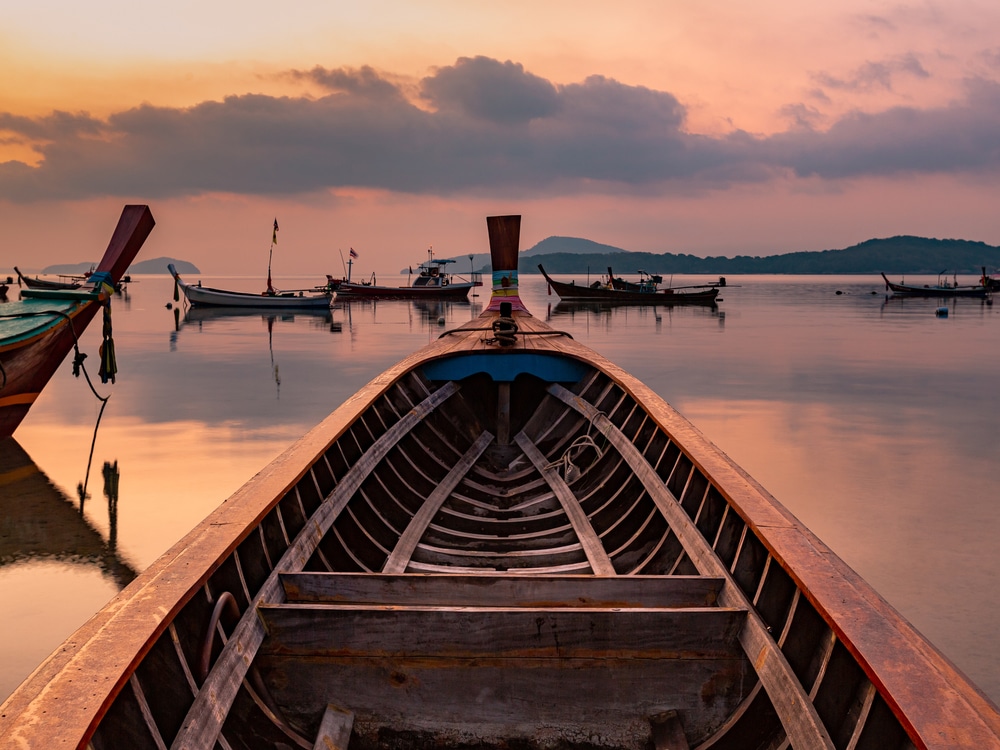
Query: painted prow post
{"points": [[505, 234]]}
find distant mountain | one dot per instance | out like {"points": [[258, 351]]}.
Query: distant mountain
{"points": [[570, 245], [575, 245], [893, 255], [156, 265], [159, 265]]}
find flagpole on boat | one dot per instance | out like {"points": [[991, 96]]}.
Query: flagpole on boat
{"points": [[270, 253]]}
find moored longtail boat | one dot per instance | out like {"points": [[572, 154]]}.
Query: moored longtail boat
{"points": [[646, 293], [982, 290], [316, 298], [502, 541], [37, 332], [37, 282], [432, 282]]}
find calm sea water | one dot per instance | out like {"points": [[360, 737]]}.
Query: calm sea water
{"points": [[873, 420]]}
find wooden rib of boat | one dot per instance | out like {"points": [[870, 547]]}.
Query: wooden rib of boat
{"points": [[317, 298], [649, 294], [940, 289], [502, 541], [431, 282], [37, 331]]}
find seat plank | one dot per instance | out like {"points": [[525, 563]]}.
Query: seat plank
{"points": [[449, 633], [502, 591]]}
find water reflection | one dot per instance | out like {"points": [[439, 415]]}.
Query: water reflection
{"points": [[39, 522], [424, 312], [608, 310], [931, 306]]}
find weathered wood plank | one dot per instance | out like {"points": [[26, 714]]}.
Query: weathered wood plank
{"points": [[319, 630], [597, 556], [334, 729], [502, 591], [205, 717], [791, 701], [607, 703]]}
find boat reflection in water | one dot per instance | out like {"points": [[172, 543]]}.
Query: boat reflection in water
{"points": [[319, 317], [38, 522], [428, 313], [607, 311]]}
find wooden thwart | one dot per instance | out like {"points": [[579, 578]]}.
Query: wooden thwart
{"points": [[350, 631], [441, 590]]}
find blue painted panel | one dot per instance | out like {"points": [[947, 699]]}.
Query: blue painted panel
{"points": [[505, 366]]}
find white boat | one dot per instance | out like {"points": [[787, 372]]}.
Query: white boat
{"points": [[294, 299]]}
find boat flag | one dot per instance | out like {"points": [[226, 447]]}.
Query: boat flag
{"points": [[354, 253], [274, 234]]}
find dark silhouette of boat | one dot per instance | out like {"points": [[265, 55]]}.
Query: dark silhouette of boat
{"points": [[647, 293], [941, 289], [432, 282]]}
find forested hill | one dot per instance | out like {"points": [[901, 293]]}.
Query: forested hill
{"points": [[895, 255]]}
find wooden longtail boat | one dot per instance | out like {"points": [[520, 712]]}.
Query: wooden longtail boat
{"points": [[431, 282], [317, 298], [648, 294], [941, 289], [36, 282], [37, 331], [503, 541]]}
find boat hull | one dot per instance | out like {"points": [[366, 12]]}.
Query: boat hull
{"points": [[907, 290], [39, 331], [571, 292], [30, 362], [455, 291], [199, 296]]}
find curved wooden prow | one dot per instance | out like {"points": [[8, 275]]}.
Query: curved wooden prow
{"points": [[134, 226], [505, 235]]}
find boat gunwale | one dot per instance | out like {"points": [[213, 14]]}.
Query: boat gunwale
{"points": [[48, 325]]}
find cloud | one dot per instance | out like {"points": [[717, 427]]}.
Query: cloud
{"points": [[875, 75], [959, 138], [486, 89], [363, 81], [478, 126]]}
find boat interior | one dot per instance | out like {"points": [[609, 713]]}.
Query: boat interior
{"points": [[501, 552]]}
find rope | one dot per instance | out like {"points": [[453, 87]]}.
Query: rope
{"points": [[78, 367], [570, 471], [504, 331], [109, 365], [522, 333]]}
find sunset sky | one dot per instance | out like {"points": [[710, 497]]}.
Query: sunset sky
{"points": [[713, 127]]}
